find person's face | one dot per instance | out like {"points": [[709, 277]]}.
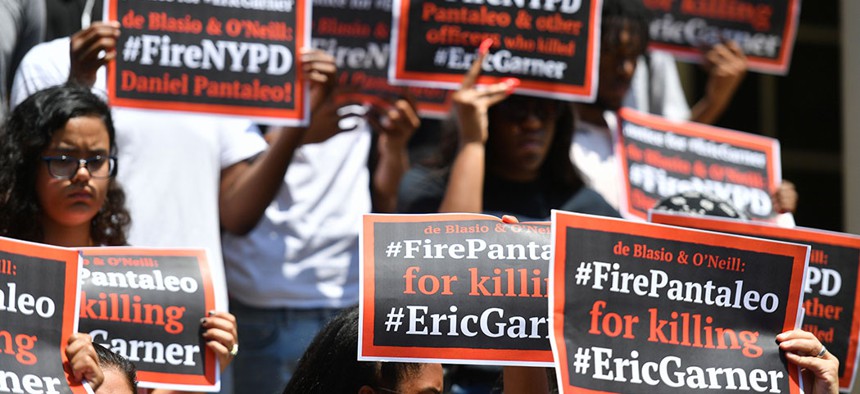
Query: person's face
{"points": [[617, 65], [427, 380], [73, 202], [521, 133], [115, 383]]}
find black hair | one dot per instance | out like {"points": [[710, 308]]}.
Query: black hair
{"points": [[111, 360], [25, 135], [330, 364], [620, 14]]}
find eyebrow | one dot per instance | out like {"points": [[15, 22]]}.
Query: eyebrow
{"points": [[73, 150]]}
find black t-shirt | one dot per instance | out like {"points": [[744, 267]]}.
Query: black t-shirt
{"points": [[422, 190]]}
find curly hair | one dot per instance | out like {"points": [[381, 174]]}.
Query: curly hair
{"points": [[26, 134]]}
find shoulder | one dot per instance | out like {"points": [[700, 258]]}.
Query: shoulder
{"points": [[587, 200], [421, 190], [45, 65]]}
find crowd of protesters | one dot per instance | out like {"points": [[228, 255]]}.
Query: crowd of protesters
{"points": [[280, 208]]}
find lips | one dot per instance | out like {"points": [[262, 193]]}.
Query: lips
{"points": [[80, 195], [532, 140]]}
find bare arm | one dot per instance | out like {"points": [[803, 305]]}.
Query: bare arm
{"points": [[466, 182], [247, 188], [395, 125], [525, 380]]}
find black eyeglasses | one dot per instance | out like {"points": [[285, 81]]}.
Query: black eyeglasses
{"points": [[65, 167]]}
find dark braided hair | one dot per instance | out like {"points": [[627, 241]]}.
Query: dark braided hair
{"points": [[25, 135]]}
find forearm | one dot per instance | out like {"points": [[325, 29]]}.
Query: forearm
{"points": [[465, 191], [708, 110], [247, 188], [527, 380], [393, 163]]}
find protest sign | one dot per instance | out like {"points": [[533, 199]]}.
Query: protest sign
{"points": [[552, 46], [645, 308], [457, 288], [38, 314], [831, 300], [146, 304], [660, 158], [357, 34], [212, 56], [764, 29]]}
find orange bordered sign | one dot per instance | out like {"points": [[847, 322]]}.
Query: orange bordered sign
{"points": [[661, 158], [764, 29], [454, 288], [551, 46], [637, 308], [219, 57], [146, 305], [38, 314], [832, 284]]}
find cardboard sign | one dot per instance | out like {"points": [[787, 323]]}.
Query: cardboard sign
{"points": [[660, 158], [831, 285], [220, 57], [764, 29], [357, 34], [645, 308], [146, 304], [454, 288], [38, 314], [551, 45]]}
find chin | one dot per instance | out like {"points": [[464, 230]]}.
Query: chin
{"points": [[77, 217]]}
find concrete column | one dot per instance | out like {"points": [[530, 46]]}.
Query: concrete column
{"points": [[850, 46]]}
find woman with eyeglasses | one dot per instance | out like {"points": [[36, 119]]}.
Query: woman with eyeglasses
{"points": [[57, 186], [57, 163]]}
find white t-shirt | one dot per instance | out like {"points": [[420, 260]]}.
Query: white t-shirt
{"points": [[304, 251], [169, 163], [656, 87], [593, 156]]}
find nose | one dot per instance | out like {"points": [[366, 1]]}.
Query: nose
{"points": [[532, 120], [83, 172], [627, 67]]}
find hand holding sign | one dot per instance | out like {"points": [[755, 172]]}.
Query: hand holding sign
{"points": [[726, 65], [320, 70], [86, 48], [395, 122], [785, 198], [820, 367], [221, 336], [83, 360]]}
